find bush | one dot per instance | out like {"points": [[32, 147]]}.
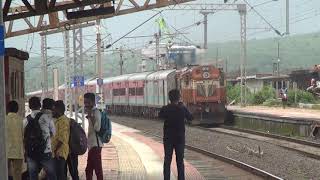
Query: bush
{"points": [[302, 97], [234, 92], [265, 93], [272, 102]]}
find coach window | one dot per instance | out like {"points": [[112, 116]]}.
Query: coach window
{"points": [[139, 91], [115, 92], [122, 92], [132, 91]]}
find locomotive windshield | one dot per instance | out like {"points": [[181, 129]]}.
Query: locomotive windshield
{"points": [[207, 88], [201, 90]]}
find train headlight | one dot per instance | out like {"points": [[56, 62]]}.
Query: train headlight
{"points": [[206, 75]]}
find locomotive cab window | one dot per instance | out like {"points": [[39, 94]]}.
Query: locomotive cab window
{"points": [[221, 80], [201, 91], [212, 90]]}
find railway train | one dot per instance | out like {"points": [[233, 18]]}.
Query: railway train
{"points": [[202, 90], [14, 77]]}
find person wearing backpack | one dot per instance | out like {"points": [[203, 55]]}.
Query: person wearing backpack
{"points": [[38, 130], [47, 107], [60, 141], [14, 131], [94, 141], [78, 146]]}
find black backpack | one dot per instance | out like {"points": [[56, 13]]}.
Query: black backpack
{"points": [[77, 138], [34, 142]]}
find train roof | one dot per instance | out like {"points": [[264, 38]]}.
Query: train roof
{"points": [[91, 81], [140, 76], [121, 78], [160, 75], [34, 93]]}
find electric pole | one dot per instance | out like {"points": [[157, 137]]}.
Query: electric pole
{"points": [[287, 18], [157, 36], [3, 154], [121, 61], [55, 84], [99, 63], [243, 53], [99, 51], [217, 56], [278, 68], [44, 65], [205, 24], [226, 68]]}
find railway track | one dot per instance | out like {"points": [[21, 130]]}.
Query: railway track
{"points": [[251, 169], [295, 140], [309, 148], [286, 163]]}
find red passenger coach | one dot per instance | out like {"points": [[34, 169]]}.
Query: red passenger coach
{"points": [[14, 76]]}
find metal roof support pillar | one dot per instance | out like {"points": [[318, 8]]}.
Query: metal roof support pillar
{"points": [[99, 91], [67, 73], [78, 89], [3, 154]]}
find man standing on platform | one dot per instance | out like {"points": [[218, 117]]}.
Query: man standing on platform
{"points": [[60, 142], [94, 142], [47, 105], [39, 128], [174, 115], [14, 140]]}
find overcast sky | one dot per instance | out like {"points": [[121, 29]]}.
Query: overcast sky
{"points": [[222, 26]]}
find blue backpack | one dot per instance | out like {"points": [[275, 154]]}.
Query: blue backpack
{"points": [[105, 129]]}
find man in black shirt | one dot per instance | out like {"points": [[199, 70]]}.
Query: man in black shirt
{"points": [[174, 115]]}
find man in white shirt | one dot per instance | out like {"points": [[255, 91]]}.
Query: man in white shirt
{"points": [[43, 160], [94, 143], [47, 107]]}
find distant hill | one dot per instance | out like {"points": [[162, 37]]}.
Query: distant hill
{"points": [[298, 51]]}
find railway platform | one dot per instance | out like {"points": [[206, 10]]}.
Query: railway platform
{"points": [[290, 114], [133, 155]]}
